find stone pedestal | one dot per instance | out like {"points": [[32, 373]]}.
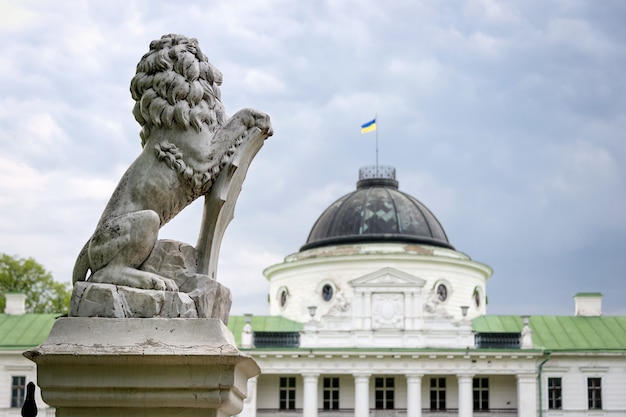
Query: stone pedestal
{"points": [[142, 367]]}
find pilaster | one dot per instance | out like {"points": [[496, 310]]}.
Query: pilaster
{"points": [[527, 395]]}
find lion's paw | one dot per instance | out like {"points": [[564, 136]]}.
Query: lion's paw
{"points": [[253, 118], [262, 121], [164, 284]]}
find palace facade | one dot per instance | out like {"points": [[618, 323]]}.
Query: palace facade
{"points": [[379, 315]]}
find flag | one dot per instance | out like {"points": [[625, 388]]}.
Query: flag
{"points": [[369, 126]]}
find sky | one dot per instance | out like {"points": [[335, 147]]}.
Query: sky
{"points": [[506, 118]]}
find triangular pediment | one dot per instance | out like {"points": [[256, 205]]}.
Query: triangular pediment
{"points": [[388, 277]]}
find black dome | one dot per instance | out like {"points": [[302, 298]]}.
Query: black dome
{"points": [[377, 212]]}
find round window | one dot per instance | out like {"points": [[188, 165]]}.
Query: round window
{"points": [[327, 292], [442, 292]]}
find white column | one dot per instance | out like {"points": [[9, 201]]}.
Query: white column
{"points": [[465, 395], [527, 395], [361, 395], [249, 404], [414, 395], [309, 402]]}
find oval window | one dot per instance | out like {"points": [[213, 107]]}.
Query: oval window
{"points": [[327, 292], [442, 292], [283, 297]]}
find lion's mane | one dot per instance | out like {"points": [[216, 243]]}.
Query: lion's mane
{"points": [[176, 85]]}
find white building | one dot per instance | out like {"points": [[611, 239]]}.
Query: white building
{"points": [[379, 315], [19, 332]]}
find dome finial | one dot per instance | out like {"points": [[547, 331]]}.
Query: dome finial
{"points": [[383, 175], [377, 171]]}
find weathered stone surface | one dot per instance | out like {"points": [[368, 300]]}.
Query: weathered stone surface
{"points": [[178, 261], [169, 258], [213, 300], [107, 300]]}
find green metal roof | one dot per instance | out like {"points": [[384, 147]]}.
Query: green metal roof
{"points": [[497, 324], [262, 324], [24, 331], [29, 330], [555, 333], [566, 333]]}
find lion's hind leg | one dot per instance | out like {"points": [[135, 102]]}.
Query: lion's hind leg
{"points": [[121, 245]]}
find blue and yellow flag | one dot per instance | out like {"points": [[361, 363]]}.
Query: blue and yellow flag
{"points": [[369, 126]]}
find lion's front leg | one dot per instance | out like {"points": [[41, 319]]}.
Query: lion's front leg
{"points": [[120, 245], [246, 119]]}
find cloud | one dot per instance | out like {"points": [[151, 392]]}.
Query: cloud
{"points": [[260, 82], [506, 119], [577, 35], [493, 11], [14, 15]]}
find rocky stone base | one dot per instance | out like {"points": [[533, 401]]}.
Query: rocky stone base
{"points": [[112, 301], [199, 296]]}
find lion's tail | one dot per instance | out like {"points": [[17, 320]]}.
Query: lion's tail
{"points": [[82, 265]]}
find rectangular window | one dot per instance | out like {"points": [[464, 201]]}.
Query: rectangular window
{"points": [[594, 393], [331, 393], [437, 393], [384, 392], [481, 394], [18, 391], [287, 393], [554, 394]]}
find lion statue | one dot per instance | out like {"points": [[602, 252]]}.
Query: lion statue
{"points": [[187, 140]]}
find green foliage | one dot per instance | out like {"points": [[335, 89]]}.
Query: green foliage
{"points": [[27, 276]]}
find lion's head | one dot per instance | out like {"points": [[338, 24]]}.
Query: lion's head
{"points": [[176, 85]]}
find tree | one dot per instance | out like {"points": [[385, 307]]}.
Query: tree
{"points": [[43, 293]]}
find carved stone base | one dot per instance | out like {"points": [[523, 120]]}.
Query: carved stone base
{"points": [[198, 296], [112, 301], [209, 299], [142, 367]]}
